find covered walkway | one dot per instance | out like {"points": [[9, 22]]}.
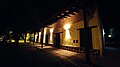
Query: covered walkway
{"points": [[109, 59], [77, 59]]}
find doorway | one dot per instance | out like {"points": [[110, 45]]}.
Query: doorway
{"points": [[57, 40], [46, 40], [86, 38]]}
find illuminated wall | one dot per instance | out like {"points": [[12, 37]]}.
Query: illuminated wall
{"points": [[51, 36], [39, 37], [68, 27], [97, 32], [67, 35], [70, 36], [44, 37], [67, 31]]}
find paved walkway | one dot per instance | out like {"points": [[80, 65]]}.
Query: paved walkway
{"points": [[111, 57], [76, 58], [28, 54]]}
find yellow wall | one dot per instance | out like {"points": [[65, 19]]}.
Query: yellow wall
{"points": [[96, 32], [39, 37], [74, 33], [50, 36], [76, 22]]}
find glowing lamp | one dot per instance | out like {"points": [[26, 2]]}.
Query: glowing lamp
{"points": [[67, 33], [67, 26], [109, 35], [51, 30]]}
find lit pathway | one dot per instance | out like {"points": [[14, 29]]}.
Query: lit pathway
{"points": [[76, 58], [111, 57]]}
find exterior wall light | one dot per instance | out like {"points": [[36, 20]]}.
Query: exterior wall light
{"points": [[67, 26], [67, 32]]}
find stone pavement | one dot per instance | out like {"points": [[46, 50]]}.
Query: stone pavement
{"points": [[77, 59]]}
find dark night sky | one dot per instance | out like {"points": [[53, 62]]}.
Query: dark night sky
{"points": [[28, 13], [110, 10], [110, 14]]}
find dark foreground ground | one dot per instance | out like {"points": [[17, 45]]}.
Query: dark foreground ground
{"points": [[28, 56]]}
